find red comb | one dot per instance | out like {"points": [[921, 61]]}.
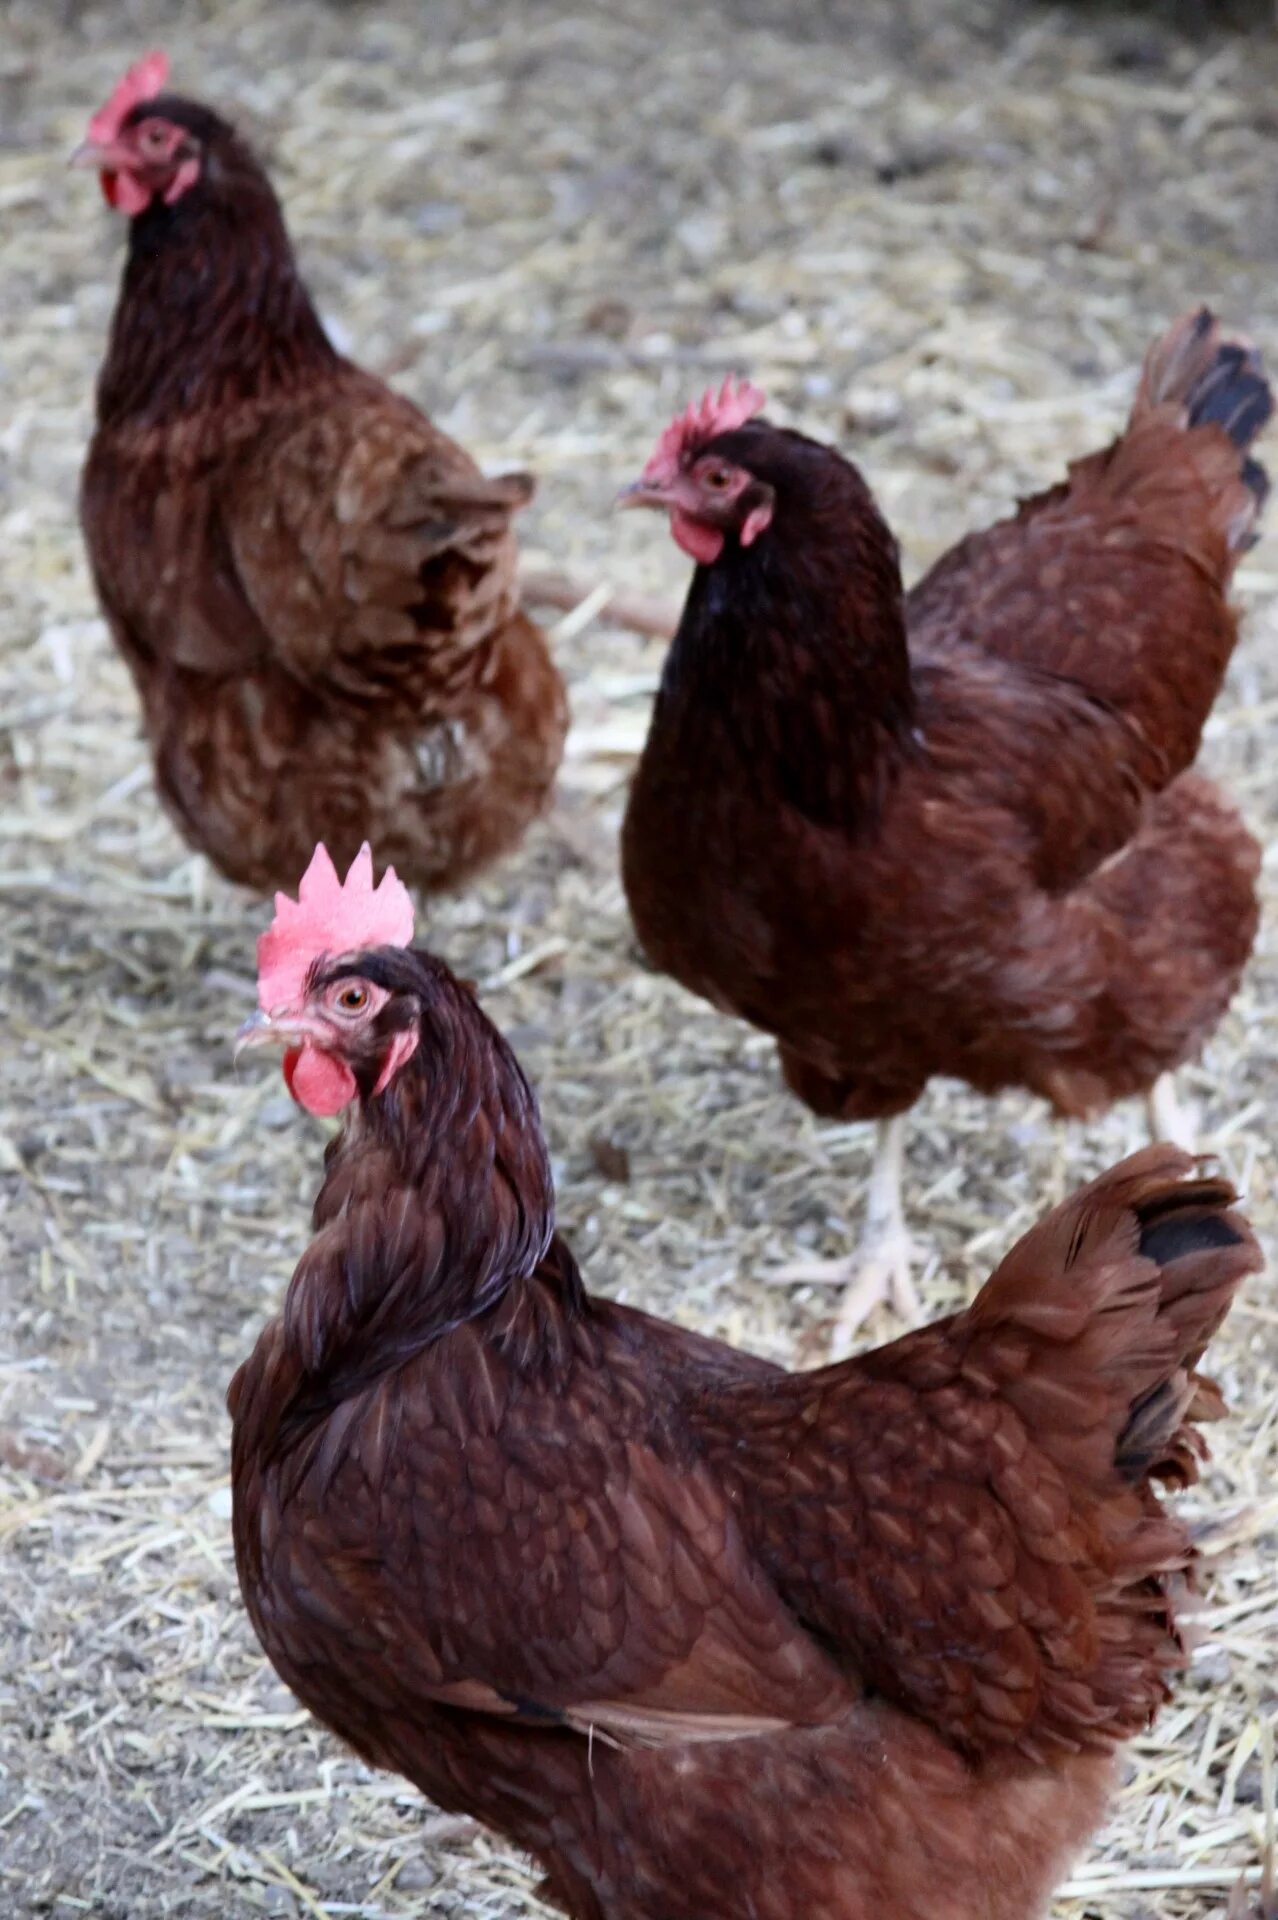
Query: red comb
{"points": [[736, 402], [329, 916], [145, 78]]}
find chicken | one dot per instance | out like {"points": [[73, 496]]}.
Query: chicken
{"points": [[706, 1638], [957, 831], [313, 586]]}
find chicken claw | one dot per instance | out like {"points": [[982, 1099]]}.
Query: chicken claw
{"points": [[878, 1273], [879, 1270]]}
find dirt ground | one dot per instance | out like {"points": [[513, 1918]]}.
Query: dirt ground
{"points": [[940, 234]]}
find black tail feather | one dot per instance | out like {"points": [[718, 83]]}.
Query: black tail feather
{"points": [[1215, 380], [1174, 1235], [1234, 392]]}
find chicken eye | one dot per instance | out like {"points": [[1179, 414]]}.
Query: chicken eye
{"points": [[353, 999], [717, 478]]}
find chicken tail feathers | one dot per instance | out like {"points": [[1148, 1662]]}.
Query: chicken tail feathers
{"points": [[1209, 375], [974, 1512], [1207, 378], [1202, 1250], [1118, 1293], [1091, 1332]]}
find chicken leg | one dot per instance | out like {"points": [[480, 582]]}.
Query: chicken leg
{"points": [[879, 1270], [1169, 1119]]}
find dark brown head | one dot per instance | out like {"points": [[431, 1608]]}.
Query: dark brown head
{"points": [[709, 496], [151, 148], [791, 652], [346, 1033], [392, 1033], [439, 1187], [352, 1004], [356, 1021], [733, 484], [212, 309]]}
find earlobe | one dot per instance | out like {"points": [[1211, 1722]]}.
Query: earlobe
{"points": [[186, 176], [757, 521], [401, 1048]]}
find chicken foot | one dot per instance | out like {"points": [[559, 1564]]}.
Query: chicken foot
{"points": [[880, 1268], [879, 1271]]}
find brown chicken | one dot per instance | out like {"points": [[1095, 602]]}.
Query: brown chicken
{"points": [[954, 832], [313, 586], [706, 1638]]}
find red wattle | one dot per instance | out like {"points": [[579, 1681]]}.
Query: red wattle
{"points": [[318, 1082], [704, 543], [123, 191]]}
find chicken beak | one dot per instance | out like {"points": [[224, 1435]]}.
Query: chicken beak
{"points": [[643, 493], [270, 1030], [99, 156]]}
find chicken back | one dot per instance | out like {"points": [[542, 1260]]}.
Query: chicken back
{"points": [[706, 1638], [955, 832], [313, 586]]}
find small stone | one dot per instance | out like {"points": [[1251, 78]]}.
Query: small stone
{"points": [[219, 1503]]}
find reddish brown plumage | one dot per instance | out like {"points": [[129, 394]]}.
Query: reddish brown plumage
{"points": [[953, 832], [313, 586], [707, 1638]]}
